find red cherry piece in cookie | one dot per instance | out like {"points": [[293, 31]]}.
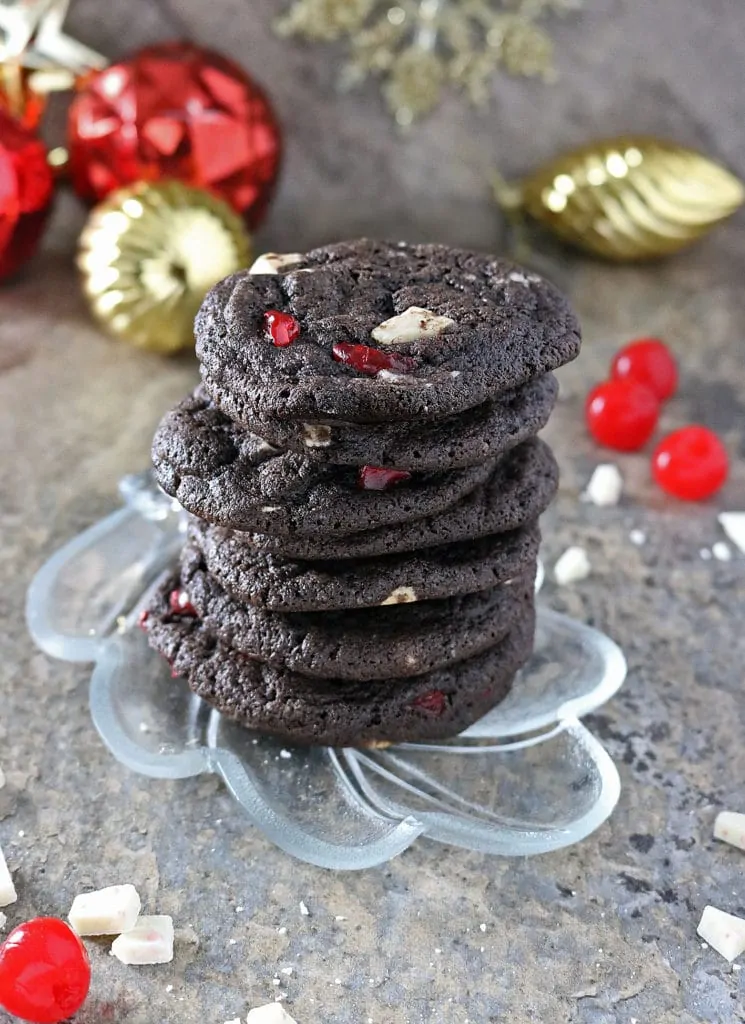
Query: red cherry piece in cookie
{"points": [[622, 414], [281, 328], [142, 618], [378, 478], [691, 463], [179, 603], [44, 971], [435, 702], [371, 360], [648, 361]]}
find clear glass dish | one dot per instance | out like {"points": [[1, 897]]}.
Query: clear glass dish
{"points": [[527, 778]]}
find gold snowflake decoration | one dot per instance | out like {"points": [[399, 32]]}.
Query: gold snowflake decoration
{"points": [[417, 47]]}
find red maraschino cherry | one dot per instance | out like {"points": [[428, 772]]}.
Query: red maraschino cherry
{"points": [[44, 971]]}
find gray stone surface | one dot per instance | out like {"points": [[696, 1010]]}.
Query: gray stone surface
{"points": [[601, 933]]}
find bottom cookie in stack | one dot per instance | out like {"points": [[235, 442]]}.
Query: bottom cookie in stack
{"points": [[274, 699]]}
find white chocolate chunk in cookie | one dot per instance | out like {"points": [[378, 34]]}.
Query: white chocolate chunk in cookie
{"points": [[316, 435], [401, 595], [413, 324], [273, 262]]}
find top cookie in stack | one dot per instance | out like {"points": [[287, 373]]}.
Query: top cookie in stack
{"points": [[362, 466]]}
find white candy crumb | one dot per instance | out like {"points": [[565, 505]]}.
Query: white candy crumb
{"points": [[401, 595], [149, 942], [239, 910], [517, 277], [169, 988], [605, 486], [729, 826], [108, 911], [303, 909], [733, 524], [144, 727], [482, 927], [724, 932], [272, 1013], [273, 262], [285, 755], [3, 920], [638, 537], [2, 778], [337, 981], [340, 917], [235, 1020], [721, 551], [276, 981], [8, 892], [281, 931], [705, 554], [413, 324], [572, 566], [286, 970]]}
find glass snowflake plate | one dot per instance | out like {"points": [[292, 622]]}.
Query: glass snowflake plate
{"points": [[527, 778]]}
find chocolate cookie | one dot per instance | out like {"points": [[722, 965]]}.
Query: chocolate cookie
{"points": [[269, 581], [518, 490], [472, 436], [221, 472], [366, 643], [332, 712], [445, 330]]}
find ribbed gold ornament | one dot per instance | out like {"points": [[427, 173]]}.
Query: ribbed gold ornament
{"points": [[627, 198], [150, 253]]}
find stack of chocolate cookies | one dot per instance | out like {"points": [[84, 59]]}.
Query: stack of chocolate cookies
{"points": [[364, 482]]}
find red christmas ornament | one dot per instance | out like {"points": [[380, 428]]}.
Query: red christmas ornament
{"points": [[621, 414], [25, 193], [691, 463], [44, 971], [176, 110], [648, 361]]}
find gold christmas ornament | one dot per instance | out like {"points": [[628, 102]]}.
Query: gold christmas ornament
{"points": [[150, 253], [628, 198], [417, 47]]}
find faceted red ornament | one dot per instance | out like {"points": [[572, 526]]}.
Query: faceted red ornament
{"points": [[435, 702], [44, 971], [25, 193], [179, 603], [378, 478], [371, 360], [282, 328], [176, 110], [690, 463], [650, 362], [621, 414]]}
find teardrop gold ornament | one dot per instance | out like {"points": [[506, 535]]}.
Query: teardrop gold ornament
{"points": [[627, 198], [149, 254]]}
